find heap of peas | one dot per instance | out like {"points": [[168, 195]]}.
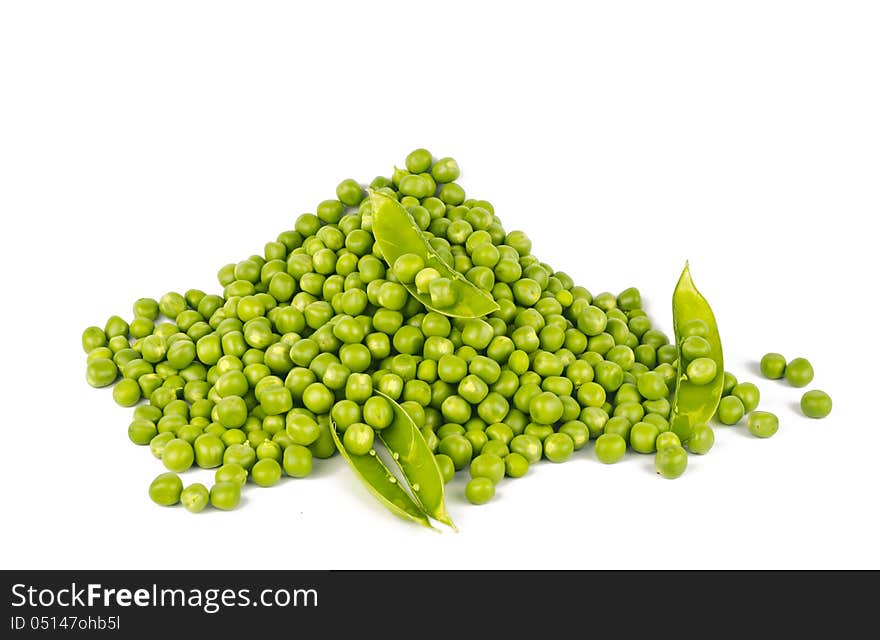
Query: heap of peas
{"points": [[249, 381]]}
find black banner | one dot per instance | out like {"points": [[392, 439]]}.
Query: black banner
{"points": [[133, 603]]}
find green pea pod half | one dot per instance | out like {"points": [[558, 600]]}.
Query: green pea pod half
{"points": [[416, 461], [694, 403], [398, 234], [381, 482]]}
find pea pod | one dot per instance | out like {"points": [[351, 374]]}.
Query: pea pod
{"points": [[694, 403], [397, 234], [418, 465], [381, 482]]}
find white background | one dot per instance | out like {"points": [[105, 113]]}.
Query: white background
{"points": [[144, 145]]}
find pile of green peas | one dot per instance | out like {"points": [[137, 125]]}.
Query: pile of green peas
{"points": [[247, 381]]}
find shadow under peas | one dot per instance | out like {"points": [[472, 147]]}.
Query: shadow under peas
{"points": [[754, 368]]}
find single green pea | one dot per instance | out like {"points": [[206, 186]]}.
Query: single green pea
{"points": [[442, 292], [165, 489], [195, 497], [208, 451], [225, 495], [231, 472], [815, 404], [127, 393], [670, 462], [748, 394], [302, 429], [652, 386], [445, 170], [577, 431], [527, 446], [667, 439], [694, 347], [610, 448], [101, 372], [141, 431], [240, 454], [730, 382], [702, 439], [643, 437], [358, 438], [515, 465], [297, 461], [458, 448], [178, 455], [407, 267], [158, 443], [446, 466], [545, 408], [730, 410], [350, 192], [479, 490], [799, 372], [487, 466], [773, 366], [702, 371], [558, 447], [266, 472], [762, 424]]}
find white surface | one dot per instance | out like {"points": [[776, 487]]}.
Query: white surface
{"points": [[142, 146]]}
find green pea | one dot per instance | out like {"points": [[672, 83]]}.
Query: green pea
{"points": [[127, 393], [730, 382], [446, 466], [527, 446], [815, 404], [694, 347], [165, 489], [240, 454], [101, 372], [515, 465], [545, 408], [730, 410], [487, 466], [762, 424], [558, 447], [297, 461], [301, 428], [225, 495], [158, 443], [458, 448], [266, 472], [479, 490], [358, 438], [232, 472], [670, 462], [610, 448], [317, 398], [643, 437], [350, 192], [141, 431], [145, 308], [667, 439], [595, 418], [748, 394], [445, 170], [195, 497], [178, 455], [799, 372], [208, 451], [702, 371], [701, 440], [773, 366], [652, 386]]}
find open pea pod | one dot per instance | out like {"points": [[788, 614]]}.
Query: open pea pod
{"points": [[693, 403], [381, 482], [416, 461], [397, 234]]}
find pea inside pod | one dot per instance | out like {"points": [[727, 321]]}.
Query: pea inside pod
{"points": [[415, 459], [446, 291], [379, 480], [696, 396]]}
